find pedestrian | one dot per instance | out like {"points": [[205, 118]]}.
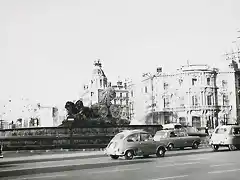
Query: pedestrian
{"points": [[1, 154], [206, 130]]}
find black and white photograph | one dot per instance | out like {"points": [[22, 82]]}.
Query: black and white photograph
{"points": [[119, 89]]}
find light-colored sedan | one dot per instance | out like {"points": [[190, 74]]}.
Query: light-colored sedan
{"points": [[130, 143], [177, 138]]}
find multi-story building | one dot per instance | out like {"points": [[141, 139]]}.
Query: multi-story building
{"points": [[98, 83], [195, 95], [21, 113], [92, 89]]}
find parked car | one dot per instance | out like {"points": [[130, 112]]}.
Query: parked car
{"points": [[172, 126], [177, 138], [226, 136], [191, 131], [130, 143]]}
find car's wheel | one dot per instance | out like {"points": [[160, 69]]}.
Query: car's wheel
{"points": [[129, 154], [238, 147], [170, 147], [182, 148], [231, 147], [160, 152], [114, 156], [215, 147], [195, 145]]}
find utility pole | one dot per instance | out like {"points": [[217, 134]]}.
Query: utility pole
{"points": [[151, 77], [1, 123]]}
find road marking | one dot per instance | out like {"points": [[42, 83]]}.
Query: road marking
{"points": [[196, 159], [223, 171], [114, 170], [179, 164], [170, 177], [226, 164], [39, 177]]}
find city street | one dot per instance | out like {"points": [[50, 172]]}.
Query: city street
{"points": [[183, 165]]}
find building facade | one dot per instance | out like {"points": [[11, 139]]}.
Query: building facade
{"points": [[98, 83], [195, 95]]}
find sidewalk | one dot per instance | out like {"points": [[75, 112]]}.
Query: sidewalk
{"points": [[48, 156], [45, 152]]}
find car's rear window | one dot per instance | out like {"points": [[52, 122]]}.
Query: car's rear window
{"points": [[119, 136], [221, 130], [236, 130], [161, 134]]}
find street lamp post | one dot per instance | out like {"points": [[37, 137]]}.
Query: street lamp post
{"points": [[151, 77]]}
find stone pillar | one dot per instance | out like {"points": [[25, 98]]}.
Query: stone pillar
{"points": [[213, 100], [204, 98], [189, 119]]}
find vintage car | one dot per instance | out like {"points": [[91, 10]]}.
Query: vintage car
{"points": [[130, 143], [191, 131], [226, 136], [177, 138]]}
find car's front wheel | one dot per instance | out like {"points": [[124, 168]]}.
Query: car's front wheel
{"points": [[238, 147], [129, 155], [170, 147], [114, 156], [195, 145], [160, 152], [215, 147], [231, 147]]}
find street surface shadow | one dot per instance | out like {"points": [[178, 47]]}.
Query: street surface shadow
{"points": [[69, 168], [195, 153], [183, 154]]}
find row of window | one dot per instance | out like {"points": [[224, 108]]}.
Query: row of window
{"points": [[121, 95], [194, 82], [195, 101], [121, 102]]}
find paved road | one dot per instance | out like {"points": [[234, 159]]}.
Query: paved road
{"points": [[178, 165]]}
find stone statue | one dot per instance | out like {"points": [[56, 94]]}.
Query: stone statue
{"points": [[103, 110]]}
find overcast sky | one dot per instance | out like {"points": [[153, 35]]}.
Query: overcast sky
{"points": [[47, 47]]}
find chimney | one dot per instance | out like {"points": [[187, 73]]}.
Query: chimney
{"points": [[125, 85], [159, 69]]}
